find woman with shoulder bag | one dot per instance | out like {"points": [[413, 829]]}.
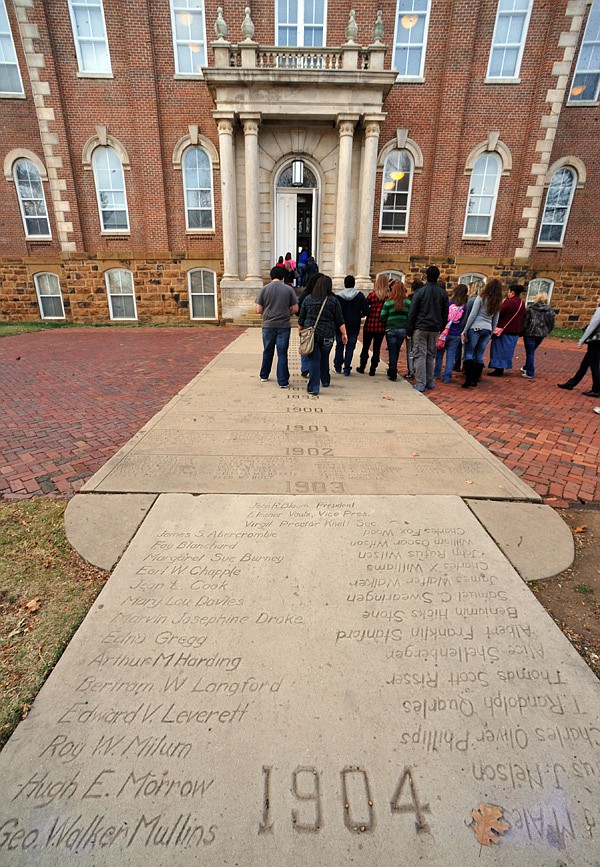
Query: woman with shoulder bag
{"points": [[591, 359], [506, 335], [478, 328], [321, 310], [456, 312]]}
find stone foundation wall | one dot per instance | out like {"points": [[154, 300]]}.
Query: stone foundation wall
{"points": [[160, 286]]}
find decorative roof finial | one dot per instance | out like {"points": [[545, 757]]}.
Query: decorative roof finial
{"points": [[351, 30], [247, 26], [220, 25], [378, 28]]}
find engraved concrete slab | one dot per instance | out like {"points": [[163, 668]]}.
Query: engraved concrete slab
{"points": [[534, 538], [308, 681], [402, 442], [100, 527]]}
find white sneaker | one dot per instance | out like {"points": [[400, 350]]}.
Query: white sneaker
{"points": [[527, 376], [597, 409]]}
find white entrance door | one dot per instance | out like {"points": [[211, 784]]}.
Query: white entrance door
{"points": [[285, 235]]}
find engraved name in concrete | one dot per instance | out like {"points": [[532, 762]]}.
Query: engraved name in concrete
{"points": [[308, 680]]}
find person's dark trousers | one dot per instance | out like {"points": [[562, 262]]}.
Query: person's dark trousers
{"points": [[368, 338], [410, 368], [458, 358], [276, 338], [395, 339], [319, 365], [591, 362], [531, 344], [343, 354]]}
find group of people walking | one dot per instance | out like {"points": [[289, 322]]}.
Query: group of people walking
{"points": [[441, 333]]}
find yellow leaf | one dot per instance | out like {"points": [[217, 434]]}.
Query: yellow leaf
{"points": [[388, 398], [468, 482], [581, 529], [33, 604], [487, 824]]}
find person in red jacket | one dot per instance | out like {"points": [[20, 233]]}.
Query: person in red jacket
{"points": [[512, 314], [374, 328]]}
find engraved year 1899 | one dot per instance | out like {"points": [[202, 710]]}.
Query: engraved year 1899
{"points": [[357, 810]]}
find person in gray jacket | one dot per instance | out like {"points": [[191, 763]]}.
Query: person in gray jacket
{"points": [[476, 334], [427, 317]]}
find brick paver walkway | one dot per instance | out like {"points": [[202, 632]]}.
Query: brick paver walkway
{"points": [[547, 436], [71, 398]]}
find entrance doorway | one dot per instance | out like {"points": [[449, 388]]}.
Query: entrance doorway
{"points": [[295, 209]]}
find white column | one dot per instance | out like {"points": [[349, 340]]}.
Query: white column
{"points": [[251, 123], [228, 194], [346, 124], [367, 197]]}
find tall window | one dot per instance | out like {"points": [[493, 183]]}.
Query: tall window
{"points": [[300, 22], [483, 191], [395, 192], [539, 285], [110, 190], [119, 289], [203, 294], [89, 33], [32, 200], [10, 76], [558, 204], [197, 187], [412, 19], [189, 36], [586, 81], [508, 42], [49, 296]]}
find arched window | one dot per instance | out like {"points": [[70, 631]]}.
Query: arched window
{"points": [[392, 275], [32, 200], [558, 204], [540, 284], [198, 190], [110, 190], [483, 191], [396, 186], [49, 296], [469, 279], [202, 287], [119, 289]]}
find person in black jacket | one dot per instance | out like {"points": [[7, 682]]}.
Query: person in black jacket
{"points": [[329, 320], [354, 307], [427, 317]]}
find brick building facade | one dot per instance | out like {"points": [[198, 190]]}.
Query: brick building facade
{"points": [[149, 149]]}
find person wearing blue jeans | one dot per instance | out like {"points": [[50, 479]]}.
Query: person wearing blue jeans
{"points": [[277, 302], [321, 310], [394, 315], [478, 328], [456, 312]]}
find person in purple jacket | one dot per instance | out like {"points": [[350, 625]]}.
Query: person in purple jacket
{"points": [[456, 312]]}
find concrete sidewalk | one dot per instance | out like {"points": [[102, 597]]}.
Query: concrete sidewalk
{"points": [[316, 648]]}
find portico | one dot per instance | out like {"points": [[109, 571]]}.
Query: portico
{"points": [[322, 107]]}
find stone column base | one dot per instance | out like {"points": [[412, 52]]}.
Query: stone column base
{"points": [[238, 296]]}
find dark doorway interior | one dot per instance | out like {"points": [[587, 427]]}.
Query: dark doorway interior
{"points": [[304, 203]]}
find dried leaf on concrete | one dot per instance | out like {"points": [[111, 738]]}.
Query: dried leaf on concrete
{"points": [[487, 824]]}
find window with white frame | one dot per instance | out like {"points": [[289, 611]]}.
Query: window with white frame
{"points": [[202, 287], [119, 289], [300, 22], [410, 39], [110, 190], [474, 277], [189, 36], [558, 205], [540, 284], [32, 200], [47, 287], [11, 83], [586, 81], [508, 41], [89, 33], [396, 185], [198, 190], [483, 192]]}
